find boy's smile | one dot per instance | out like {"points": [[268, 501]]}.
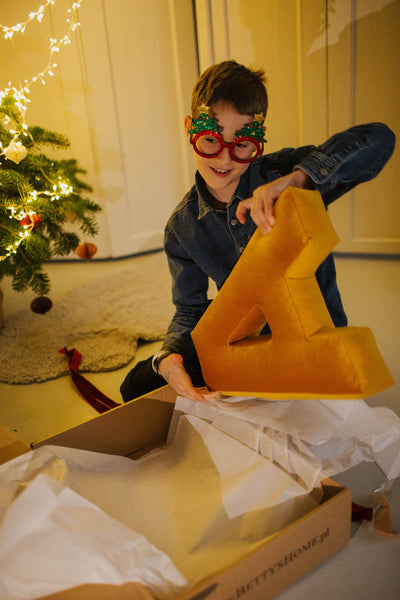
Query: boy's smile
{"points": [[221, 173]]}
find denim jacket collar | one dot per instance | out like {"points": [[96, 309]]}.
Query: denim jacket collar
{"points": [[204, 204], [249, 181]]}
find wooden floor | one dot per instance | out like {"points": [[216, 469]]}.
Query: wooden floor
{"points": [[368, 566]]}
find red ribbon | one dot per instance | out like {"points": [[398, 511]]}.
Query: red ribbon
{"points": [[87, 390], [360, 513]]}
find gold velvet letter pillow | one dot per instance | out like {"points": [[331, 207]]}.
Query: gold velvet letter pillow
{"points": [[274, 281]]}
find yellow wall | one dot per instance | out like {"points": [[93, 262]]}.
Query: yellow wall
{"points": [[330, 64], [124, 83]]}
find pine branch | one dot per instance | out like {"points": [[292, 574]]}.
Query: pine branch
{"points": [[43, 137], [39, 186]]}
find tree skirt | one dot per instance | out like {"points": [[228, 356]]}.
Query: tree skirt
{"points": [[104, 320]]}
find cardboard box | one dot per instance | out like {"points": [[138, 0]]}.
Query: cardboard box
{"points": [[10, 446], [142, 424]]}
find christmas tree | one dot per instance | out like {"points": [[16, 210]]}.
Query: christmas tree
{"points": [[39, 198]]}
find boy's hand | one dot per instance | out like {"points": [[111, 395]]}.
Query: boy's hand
{"points": [[261, 204], [172, 369]]}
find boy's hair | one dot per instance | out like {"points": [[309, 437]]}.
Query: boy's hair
{"points": [[231, 83]]}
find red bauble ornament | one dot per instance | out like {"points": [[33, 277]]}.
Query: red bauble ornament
{"points": [[29, 220], [86, 250], [41, 305], [36, 221]]}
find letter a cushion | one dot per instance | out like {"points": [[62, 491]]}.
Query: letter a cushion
{"points": [[305, 356]]}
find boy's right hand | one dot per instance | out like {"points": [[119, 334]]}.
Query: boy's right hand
{"points": [[172, 369], [261, 204]]}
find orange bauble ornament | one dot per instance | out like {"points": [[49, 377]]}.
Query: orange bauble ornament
{"points": [[86, 250], [29, 220]]}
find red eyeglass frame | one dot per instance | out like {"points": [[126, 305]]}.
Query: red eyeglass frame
{"points": [[230, 145]]}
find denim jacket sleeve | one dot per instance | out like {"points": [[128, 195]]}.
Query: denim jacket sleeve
{"points": [[189, 294], [348, 158]]}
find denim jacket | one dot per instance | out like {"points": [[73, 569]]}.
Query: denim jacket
{"points": [[203, 242]]}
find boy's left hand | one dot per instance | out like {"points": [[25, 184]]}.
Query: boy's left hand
{"points": [[261, 204]]}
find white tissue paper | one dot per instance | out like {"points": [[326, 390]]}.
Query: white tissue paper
{"points": [[52, 538], [233, 472], [205, 500], [311, 438]]}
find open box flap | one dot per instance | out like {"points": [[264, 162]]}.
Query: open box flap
{"points": [[128, 429], [10, 446]]}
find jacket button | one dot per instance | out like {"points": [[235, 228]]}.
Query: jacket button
{"points": [[323, 171], [234, 222]]}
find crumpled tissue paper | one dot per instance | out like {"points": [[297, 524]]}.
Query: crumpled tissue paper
{"points": [[233, 472], [311, 438], [52, 539], [204, 500]]}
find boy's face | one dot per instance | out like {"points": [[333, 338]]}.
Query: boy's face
{"points": [[221, 173]]}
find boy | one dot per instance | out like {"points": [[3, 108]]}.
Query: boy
{"points": [[236, 187]]}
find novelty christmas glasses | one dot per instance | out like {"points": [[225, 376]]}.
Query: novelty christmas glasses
{"points": [[207, 140]]}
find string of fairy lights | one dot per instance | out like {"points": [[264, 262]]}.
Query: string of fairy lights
{"points": [[21, 98]]}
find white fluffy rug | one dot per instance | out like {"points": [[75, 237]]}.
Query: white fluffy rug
{"points": [[103, 319]]}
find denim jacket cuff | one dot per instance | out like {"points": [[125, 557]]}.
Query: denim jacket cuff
{"points": [[178, 346], [318, 166]]}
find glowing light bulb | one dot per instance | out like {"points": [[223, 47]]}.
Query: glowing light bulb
{"points": [[21, 97]]}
